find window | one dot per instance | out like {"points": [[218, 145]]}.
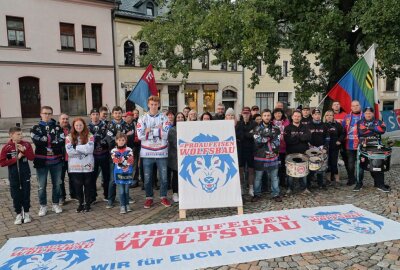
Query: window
{"points": [[129, 105], [150, 9], [234, 66], [15, 31], [229, 94], [283, 97], [265, 100], [285, 69], [259, 68], [173, 98], [97, 97], [388, 106], [143, 49], [390, 83], [129, 53], [205, 61], [191, 99], [73, 98], [209, 100], [224, 65], [67, 33], [89, 38]]}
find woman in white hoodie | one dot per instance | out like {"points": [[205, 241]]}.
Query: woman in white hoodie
{"points": [[80, 145]]}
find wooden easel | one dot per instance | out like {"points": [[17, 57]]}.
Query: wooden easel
{"points": [[182, 212]]}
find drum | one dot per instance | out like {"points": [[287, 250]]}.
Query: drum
{"points": [[375, 160], [297, 165], [315, 163]]}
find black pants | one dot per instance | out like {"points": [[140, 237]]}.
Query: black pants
{"points": [[174, 181], [103, 164], [333, 156], [136, 154], [282, 169], [83, 186], [351, 165], [71, 186], [379, 178], [21, 197]]}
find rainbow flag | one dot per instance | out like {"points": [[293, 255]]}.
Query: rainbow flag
{"points": [[358, 84]]}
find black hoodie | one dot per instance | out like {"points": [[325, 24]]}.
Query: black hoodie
{"points": [[296, 138]]}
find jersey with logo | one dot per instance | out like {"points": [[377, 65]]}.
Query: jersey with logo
{"points": [[349, 124]]}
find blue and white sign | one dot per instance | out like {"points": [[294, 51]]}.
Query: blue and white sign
{"points": [[208, 167], [390, 120]]}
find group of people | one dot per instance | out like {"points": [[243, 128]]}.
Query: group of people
{"points": [[128, 149]]}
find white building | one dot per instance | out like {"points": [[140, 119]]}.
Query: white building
{"points": [[57, 53]]}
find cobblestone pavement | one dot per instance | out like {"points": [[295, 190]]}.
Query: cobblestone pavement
{"points": [[385, 255]]}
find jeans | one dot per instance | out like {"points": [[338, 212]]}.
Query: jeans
{"points": [[272, 175], [104, 165], [83, 187], [123, 191], [351, 167], [148, 167], [55, 173], [302, 181]]}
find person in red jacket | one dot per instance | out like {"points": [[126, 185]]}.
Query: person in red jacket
{"points": [[15, 154]]}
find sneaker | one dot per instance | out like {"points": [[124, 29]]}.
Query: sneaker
{"points": [[80, 208], [175, 197], [165, 202], [42, 211], [357, 188], [306, 191], [148, 203], [289, 192], [383, 189], [27, 218], [128, 208], [18, 220], [131, 201], [122, 210], [278, 198], [109, 205], [255, 198], [251, 190], [87, 207], [105, 200], [57, 209], [61, 202]]}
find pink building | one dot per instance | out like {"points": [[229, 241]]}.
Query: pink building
{"points": [[57, 53]]}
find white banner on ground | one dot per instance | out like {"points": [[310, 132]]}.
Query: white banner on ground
{"points": [[208, 167], [201, 243]]}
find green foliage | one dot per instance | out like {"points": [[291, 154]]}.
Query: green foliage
{"points": [[337, 32]]}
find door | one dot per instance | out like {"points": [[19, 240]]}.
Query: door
{"points": [[29, 94]]}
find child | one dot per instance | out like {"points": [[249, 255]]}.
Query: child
{"points": [[17, 150], [122, 157]]}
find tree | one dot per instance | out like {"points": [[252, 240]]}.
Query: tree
{"points": [[337, 32]]}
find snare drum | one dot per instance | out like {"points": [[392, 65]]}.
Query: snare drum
{"points": [[314, 163], [318, 159], [297, 165], [375, 160]]}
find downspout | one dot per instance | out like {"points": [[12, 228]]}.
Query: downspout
{"points": [[243, 87], [116, 2]]}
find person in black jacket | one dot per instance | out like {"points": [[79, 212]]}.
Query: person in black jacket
{"points": [[245, 144], [297, 137], [319, 140], [49, 141], [336, 136]]}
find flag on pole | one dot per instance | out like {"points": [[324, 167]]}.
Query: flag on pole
{"points": [[145, 88], [358, 84]]}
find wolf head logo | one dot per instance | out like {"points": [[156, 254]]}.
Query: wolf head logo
{"points": [[47, 261], [208, 170]]}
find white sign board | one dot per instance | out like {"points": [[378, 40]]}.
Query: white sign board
{"points": [[201, 243], [208, 168]]}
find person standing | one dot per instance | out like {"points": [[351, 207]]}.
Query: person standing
{"points": [[152, 130], [266, 155], [49, 141], [349, 125], [339, 115], [98, 129], [192, 115], [280, 120], [305, 115], [66, 127], [186, 111], [220, 114], [255, 110], [104, 114], [131, 131], [80, 145], [137, 166], [15, 154], [297, 136], [173, 155]]}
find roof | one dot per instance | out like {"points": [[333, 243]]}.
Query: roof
{"points": [[134, 9]]}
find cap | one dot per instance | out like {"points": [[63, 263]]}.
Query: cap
{"points": [[129, 113], [230, 111], [255, 107], [369, 109], [246, 110], [300, 107], [316, 110], [94, 111], [306, 107]]}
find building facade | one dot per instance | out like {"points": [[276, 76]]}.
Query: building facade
{"points": [[206, 87], [55, 53]]}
